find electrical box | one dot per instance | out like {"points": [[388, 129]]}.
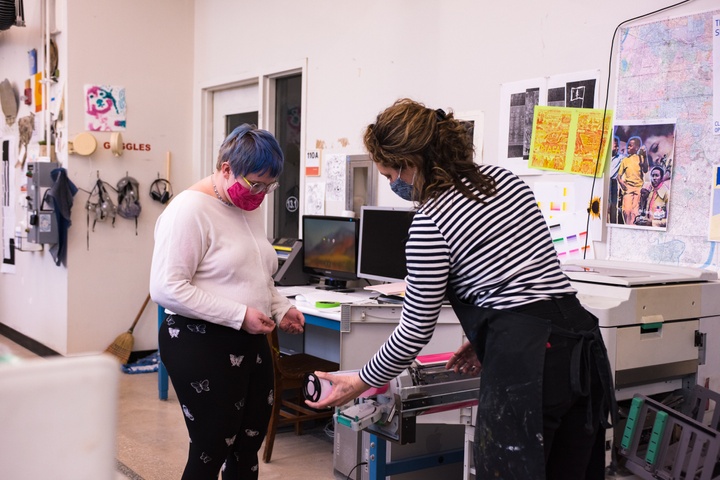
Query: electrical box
{"points": [[42, 224], [360, 181]]}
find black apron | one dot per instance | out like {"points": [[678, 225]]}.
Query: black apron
{"points": [[509, 425], [511, 347]]}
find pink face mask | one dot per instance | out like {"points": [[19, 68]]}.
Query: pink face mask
{"points": [[242, 198]]}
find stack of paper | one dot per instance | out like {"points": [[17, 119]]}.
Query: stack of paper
{"points": [[397, 288]]}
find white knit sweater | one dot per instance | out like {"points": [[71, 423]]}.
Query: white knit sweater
{"points": [[212, 261]]}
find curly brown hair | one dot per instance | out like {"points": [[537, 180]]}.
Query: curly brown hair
{"points": [[436, 144]]}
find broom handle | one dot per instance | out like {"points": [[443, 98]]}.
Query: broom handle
{"points": [[139, 314]]}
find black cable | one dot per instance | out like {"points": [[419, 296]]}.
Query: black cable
{"points": [[353, 469], [607, 94]]}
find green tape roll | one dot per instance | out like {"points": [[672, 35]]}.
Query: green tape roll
{"points": [[327, 304]]}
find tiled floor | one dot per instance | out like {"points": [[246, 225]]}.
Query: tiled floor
{"points": [[152, 439]]}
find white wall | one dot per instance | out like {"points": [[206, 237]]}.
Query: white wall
{"points": [[453, 55], [361, 56], [34, 299], [148, 49]]}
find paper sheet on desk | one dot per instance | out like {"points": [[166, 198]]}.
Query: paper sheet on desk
{"points": [[397, 288]]}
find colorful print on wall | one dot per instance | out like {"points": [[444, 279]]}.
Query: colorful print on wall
{"points": [[569, 140], [105, 108], [565, 208], [570, 246]]}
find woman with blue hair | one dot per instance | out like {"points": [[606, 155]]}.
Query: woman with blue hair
{"points": [[212, 271]]}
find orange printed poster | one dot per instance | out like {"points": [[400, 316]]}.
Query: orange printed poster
{"points": [[568, 140], [37, 92]]}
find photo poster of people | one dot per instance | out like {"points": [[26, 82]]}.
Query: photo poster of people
{"points": [[641, 167]]}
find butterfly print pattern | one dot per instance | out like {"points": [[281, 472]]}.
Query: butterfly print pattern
{"points": [[196, 328], [201, 386], [187, 413], [174, 332], [235, 361]]}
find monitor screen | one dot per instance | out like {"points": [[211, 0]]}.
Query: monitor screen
{"points": [[330, 247], [383, 235]]}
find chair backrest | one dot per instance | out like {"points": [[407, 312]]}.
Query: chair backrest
{"points": [[274, 342]]}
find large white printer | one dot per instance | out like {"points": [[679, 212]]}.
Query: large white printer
{"points": [[660, 323]]}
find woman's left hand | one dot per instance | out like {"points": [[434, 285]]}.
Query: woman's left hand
{"points": [[293, 321], [465, 361]]}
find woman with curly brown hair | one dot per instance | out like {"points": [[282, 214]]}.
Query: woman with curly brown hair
{"points": [[479, 239]]}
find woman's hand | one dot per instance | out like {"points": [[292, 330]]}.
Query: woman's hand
{"points": [[345, 388], [465, 361], [293, 321], [256, 322]]}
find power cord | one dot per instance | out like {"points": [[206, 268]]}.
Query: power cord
{"points": [[607, 93], [349, 475]]}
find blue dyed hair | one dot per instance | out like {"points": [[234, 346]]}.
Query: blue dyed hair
{"points": [[251, 150]]}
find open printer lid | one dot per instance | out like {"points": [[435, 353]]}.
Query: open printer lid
{"points": [[629, 274]]}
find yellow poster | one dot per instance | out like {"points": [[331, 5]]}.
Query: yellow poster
{"points": [[568, 140]]}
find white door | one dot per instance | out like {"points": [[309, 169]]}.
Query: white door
{"points": [[230, 102], [242, 99], [258, 101]]}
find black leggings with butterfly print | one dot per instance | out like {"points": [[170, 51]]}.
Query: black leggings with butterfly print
{"points": [[223, 379]]}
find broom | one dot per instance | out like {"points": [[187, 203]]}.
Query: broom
{"points": [[123, 344]]}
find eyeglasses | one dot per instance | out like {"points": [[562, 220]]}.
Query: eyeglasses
{"points": [[259, 187]]}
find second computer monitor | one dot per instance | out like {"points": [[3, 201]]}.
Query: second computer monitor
{"points": [[383, 235]]}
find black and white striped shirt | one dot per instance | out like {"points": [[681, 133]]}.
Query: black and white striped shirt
{"points": [[496, 254]]}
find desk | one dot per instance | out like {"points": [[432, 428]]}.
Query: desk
{"points": [[353, 335]]}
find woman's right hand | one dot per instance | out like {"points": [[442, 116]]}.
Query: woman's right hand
{"points": [[256, 322], [345, 388]]}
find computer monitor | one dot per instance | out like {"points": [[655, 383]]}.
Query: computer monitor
{"points": [[383, 235], [330, 248]]}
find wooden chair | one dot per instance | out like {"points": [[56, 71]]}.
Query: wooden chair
{"points": [[289, 404]]}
